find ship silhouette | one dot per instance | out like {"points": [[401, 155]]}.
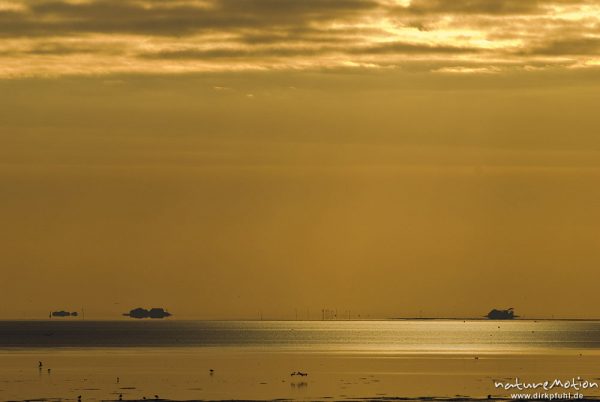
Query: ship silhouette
{"points": [[63, 313], [508, 314], [144, 313]]}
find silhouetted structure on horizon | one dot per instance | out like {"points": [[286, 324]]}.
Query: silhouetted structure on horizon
{"points": [[144, 313], [63, 313], [508, 314]]}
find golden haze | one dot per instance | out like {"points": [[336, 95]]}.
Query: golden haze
{"points": [[388, 158]]}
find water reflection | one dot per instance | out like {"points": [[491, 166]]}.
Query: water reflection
{"points": [[443, 336]]}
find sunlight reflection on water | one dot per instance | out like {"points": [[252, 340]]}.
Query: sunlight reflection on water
{"points": [[392, 336]]}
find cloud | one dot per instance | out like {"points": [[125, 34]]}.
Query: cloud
{"points": [[161, 18], [483, 7], [229, 53], [57, 37], [472, 7], [568, 47], [398, 48]]}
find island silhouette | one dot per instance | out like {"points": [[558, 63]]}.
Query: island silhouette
{"points": [[508, 314]]}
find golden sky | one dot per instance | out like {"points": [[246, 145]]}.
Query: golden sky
{"points": [[226, 157], [56, 38]]}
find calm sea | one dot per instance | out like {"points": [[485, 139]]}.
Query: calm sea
{"points": [[443, 336], [241, 360]]}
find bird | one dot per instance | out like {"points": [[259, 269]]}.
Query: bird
{"points": [[120, 397], [156, 397], [49, 371], [118, 379], [40, 364], [79, 398]]}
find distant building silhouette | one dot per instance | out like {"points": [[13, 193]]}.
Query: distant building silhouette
{"points": [[144, 313]]}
